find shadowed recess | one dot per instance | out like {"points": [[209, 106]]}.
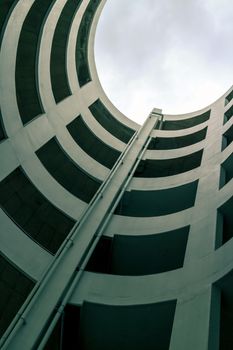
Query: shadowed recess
{"points": [[2, 130], [228, 114], [82, 65], [55, 340], [227, 137], [59, 79], [167, 167], [135, 327], [185, 123], [224, 230], [91, 144], [157, 202], [65, 335], [226, 171], [100, 260], [226, 321], [14, 289], [6, 6], [149, 254], [225, 318], [71, 326], [158, 143], [31, 211], [26, 61], [111, 124], [229, 97], [66, 172]]}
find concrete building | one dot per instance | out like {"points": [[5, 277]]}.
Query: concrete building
{"points": [[113, 236]]}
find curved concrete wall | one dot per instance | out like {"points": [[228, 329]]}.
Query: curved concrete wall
{"points": [[60, 138]]}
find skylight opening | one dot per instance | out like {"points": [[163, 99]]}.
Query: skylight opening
{"points": [[174, 55]]}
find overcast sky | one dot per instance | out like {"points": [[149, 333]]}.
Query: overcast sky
{"points": [[171, 54]]}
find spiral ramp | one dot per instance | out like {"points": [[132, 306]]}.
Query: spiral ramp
{"points": [[113, 235]]}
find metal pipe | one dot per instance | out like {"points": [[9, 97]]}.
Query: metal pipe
{"points": [[91, 249], [20, 319]]}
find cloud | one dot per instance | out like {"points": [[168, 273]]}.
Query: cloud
{"points": [[175, 55]]}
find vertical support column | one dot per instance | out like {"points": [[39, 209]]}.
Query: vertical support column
{"points": [[196, 322], [48, 299], [202, 234]]}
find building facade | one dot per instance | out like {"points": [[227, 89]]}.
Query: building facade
{"points": [[112, 235]]}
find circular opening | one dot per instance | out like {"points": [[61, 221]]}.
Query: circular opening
{"points": [[175, 55]]}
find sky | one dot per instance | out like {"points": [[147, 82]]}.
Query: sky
{"points": [[176, 55]]}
